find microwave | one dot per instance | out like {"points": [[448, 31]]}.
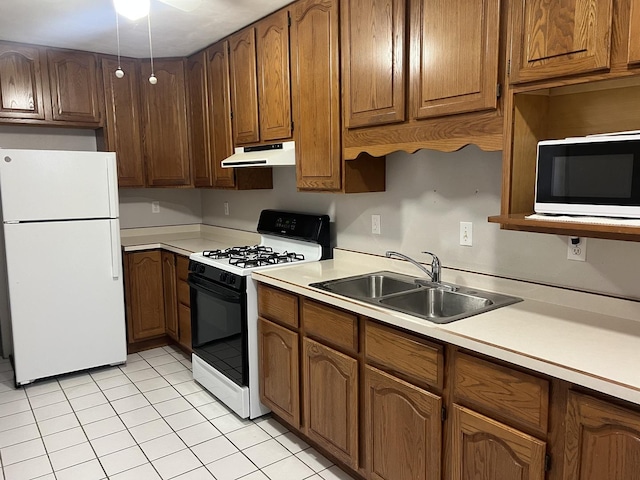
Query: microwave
{"points": [[598, 175]]}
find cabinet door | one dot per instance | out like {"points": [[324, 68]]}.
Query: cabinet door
{"points": [[74, 86], [220, 113], [244, 87], [170, 294], [373, 52], [330, 392], [403, 429], [122, 120], [166, 138], [145, 299], [21, 92], [602, 441], [274, 86], [560, 38], [454, 56], [279, 370], [316, 94], [184, 326], [483, 449], [199, 119], [634, 34]]}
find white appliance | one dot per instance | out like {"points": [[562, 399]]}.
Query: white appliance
{"points": [[597, 175], [224, 304], [61, 298]]}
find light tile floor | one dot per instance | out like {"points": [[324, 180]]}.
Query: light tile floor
{"points": [[146, 420]]}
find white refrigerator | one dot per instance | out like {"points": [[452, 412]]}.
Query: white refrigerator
{"points": [[61, 290]]}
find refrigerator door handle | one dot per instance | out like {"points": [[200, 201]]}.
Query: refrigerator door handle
{"points": [[116, 259], [112, 181]]}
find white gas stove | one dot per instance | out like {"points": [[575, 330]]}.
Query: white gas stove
{"points": [[224, 303]]}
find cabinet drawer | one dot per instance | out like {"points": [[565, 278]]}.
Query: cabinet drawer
{"points": [[502, 392], [182, 267], [404, 353], [184, 293], [335, 326], [277, 305]]}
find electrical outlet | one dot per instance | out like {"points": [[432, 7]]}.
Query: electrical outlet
{"points": [[155, 207], [466, 233], [375, 224], [226, 208], [577, 249]]}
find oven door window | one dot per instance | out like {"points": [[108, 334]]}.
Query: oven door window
{"points": [[219, 328]]}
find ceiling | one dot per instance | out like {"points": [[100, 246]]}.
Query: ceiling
{"points": [[91, 24]]}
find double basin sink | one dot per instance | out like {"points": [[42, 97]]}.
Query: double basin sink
{"points": [[436, 302]]}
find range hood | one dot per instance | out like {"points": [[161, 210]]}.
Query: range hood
{"points": [[273, 155]]}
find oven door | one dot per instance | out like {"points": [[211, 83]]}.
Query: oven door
{"points": [[219, 327]]}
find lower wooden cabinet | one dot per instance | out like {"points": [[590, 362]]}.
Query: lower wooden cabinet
{"points": [[170, 293], [184, 302], [403, 428], [330, 392], [393, 405], [144, 295], [602, 441], [484, 449], [279, 370]]}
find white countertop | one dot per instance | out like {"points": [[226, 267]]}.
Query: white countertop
{"points": [[587, 339], [185, 239]]}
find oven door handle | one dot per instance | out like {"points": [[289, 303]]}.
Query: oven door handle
{"points": [[213, 289]]}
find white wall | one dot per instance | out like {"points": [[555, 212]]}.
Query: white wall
{"points": [[428, 194], [177, 207], [41, 138]]}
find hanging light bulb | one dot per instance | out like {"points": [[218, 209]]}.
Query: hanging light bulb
{"points": [[132, 9], [152, 79], [119, 71]]}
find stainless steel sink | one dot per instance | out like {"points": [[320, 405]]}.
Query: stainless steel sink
{"points": [[439, 303], [373, 285]]}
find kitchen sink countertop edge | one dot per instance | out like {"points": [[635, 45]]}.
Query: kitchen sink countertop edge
{"points": [[563, 333]]}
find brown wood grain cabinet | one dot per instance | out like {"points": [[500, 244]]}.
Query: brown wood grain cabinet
{"points": [[75, 90], [633, 55], [330, 396], [184, 302], [22, 90], [401, 406], [210, 124], [144, 295], [403, 429], [555, 39], [274, 82], [602, 440], [244, 86], [170, 290], [122, 131], [165, 125], [484, 449]]}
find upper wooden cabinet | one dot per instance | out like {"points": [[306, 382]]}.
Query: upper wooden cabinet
{"points": [[21, 85], [633, 55], [274, 87], [121, 133], [260, 81], [210, 124], [373, 61], [454, 56], [166, 138], [244, 88], [411, 67], [555, 39], [49, 86], [74, 86]]}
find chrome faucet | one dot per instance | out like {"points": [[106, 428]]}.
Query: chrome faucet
{"points": [[434, 274]]}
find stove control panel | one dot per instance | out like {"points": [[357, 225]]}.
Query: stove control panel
{"points": [[216, 275]]}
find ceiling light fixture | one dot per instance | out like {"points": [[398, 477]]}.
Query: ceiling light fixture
{"points": [[132, 9]]}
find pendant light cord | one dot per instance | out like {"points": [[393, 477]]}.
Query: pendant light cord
{"points": [[118, 37], [150, 44]]}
